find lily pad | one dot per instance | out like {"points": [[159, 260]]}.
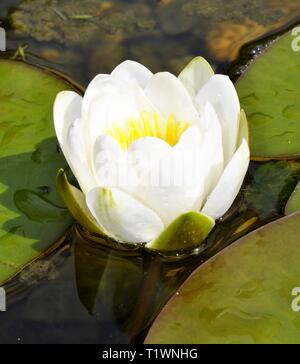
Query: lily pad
{"points": [[33, 217], [242, 295], [269, 94], [293, 204]]}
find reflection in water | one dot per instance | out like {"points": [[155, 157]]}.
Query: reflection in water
{"points": [[123, 286], [90, 292]]}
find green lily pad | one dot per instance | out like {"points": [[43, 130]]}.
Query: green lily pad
{"points": [[242, 295], [269, 94], [186, 231], [293, 204], [33, 217]]}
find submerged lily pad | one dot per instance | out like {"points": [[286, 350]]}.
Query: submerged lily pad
{"points": [[242, 295], [32, 215], [270, 187], [269, 94]]}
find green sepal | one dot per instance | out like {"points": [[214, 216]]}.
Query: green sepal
{"points": [[186, 231], [75, 201]]}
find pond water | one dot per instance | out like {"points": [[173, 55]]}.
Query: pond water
{"points": [[90, 293]]}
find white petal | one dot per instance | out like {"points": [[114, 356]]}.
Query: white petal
{"points": [[151, 145], [74, 151], [94, 90], [195, 75], [119, 101], [192, 137], [212, 152], [169, 96], [123, 217], [173, 185], [115, 167], [103, 84], [131, 71], [108, 161], [142, 162], [224, 194], [67, 108], [244, 132], [220, 92]]}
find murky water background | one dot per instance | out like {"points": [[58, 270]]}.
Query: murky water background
{"points": [[86, 293], [83, 38]]}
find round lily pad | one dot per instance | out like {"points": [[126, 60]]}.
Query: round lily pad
{"points": [[245, 294], [269, 94], [33, 217]]}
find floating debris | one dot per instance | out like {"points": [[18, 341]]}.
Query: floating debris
{"points": [[20, 52], [81, 16], [60, 14]]}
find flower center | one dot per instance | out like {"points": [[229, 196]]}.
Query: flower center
{"points": [[148, 126]]}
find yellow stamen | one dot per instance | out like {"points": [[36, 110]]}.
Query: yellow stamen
{"points": [[157, 125], [122, 138], [135, 131], [170, 132], [148, 126]]}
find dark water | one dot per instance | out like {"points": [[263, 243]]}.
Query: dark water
{"points": [[83, 38], [90, 293]]}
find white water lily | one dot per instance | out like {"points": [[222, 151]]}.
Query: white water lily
{"points": [[161, 116]]}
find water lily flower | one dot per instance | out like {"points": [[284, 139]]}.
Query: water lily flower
{"points": [[133, 122]]}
